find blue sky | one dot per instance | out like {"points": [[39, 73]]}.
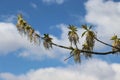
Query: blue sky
{"points": [[20, 59]]}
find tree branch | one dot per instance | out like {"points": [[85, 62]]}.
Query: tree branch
{"points": [[69, 57], [70, 48], [106, 43], [99, 53], [92, 52], [48, 40]]}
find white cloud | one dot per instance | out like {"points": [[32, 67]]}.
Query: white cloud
{"points": [[105, 14], [98, 13], [54, 1], [11, 41], [36, 52], [33, 5], [99, 70]]}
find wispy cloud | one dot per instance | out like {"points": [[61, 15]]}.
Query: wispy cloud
{"points": [[54, 1], [24, 13], [99, 70], [33, 5], [8, 18]]}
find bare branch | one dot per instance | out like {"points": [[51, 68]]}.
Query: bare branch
{"points": [[70, 48], [106, 43], [69, 57], [100, 53]]}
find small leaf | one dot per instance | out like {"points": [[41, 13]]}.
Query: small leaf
{"points": [[84, 27], [71, 53], [114, 37], [91, 27], [19, 16], [83, 33], [69, 33]]}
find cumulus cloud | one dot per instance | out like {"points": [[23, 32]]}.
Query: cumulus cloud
{"points": [[12, 41], [105, 15], [54, 1], [38, 51], [99, 70], [98, 13]]}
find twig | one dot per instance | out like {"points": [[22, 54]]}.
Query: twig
{"points": [[68, 57], [106, 44], [70, 48]]}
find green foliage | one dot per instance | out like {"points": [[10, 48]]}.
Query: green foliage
{"points": [[25, 29], [87, 48], [116, 42], [114, 37], [76, 55], [47, 41], [72, 35], [90, 40]]}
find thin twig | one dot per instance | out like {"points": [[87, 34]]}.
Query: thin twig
{"points": [[70, 48], [68, 57], [106, 43]]}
